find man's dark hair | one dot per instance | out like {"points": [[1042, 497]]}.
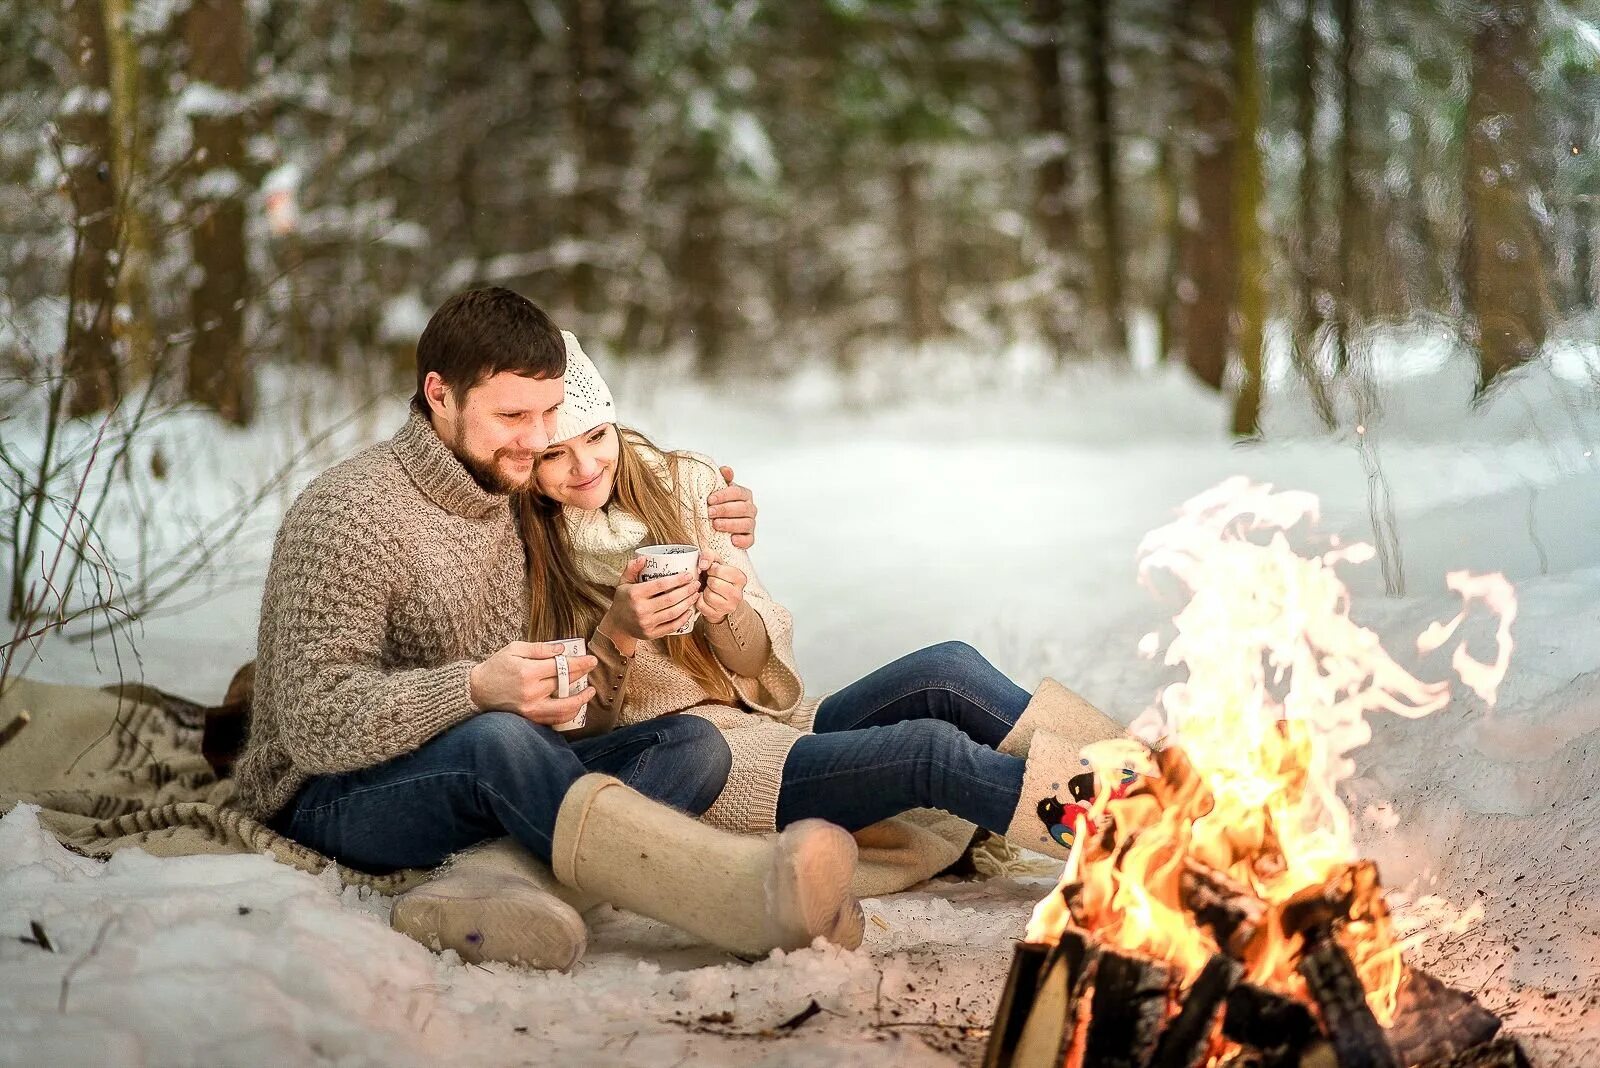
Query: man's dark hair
{"points": [[483, 332]]}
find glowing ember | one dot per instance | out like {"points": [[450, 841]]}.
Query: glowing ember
{"points": [[1241, 805]]}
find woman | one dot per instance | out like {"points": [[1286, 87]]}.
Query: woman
{"points": [[940, 728]]}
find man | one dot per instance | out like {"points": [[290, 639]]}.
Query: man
{"points": [[400, 718]]}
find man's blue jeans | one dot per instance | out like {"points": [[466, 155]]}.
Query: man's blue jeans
{"points": [[492, 775], [918, 733]]}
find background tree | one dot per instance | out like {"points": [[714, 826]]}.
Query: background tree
{"points": [[1504, 272], [85, 119], [752, 187], [217, 36]]}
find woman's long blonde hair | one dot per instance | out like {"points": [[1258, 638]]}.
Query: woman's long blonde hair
{"points": [[564, 603]]}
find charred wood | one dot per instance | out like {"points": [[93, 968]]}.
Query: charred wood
{"points": [[1228, 907], [1358, 1040], [1179, 785], [1278, 1027], [1345, 896], [1027, 962], [1126, 1011], [1047, 1032], [1434, 1022], [1185, 1038]]}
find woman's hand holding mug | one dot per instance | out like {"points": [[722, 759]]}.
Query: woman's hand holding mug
{"points": [[724, 589], [642, 611]]}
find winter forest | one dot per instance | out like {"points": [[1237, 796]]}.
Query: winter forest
{"points": [[974, 295], [204, 190]]}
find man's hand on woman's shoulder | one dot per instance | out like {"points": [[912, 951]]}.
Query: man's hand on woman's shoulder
{"points": [[722, 590], [733, 511]]}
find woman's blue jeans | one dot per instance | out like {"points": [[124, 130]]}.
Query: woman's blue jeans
{"points": [[918, 733], [492, 775]]}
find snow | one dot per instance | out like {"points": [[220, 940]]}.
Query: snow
{"points": [[404, 318], [203, 98], [219, 183], [82, 100], [977, 497]]}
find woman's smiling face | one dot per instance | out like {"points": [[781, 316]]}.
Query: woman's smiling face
{"points": [[579, 472]]}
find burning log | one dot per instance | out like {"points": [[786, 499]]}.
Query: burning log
{"points": [[1358, 1040], [1016, 1001], [1179, 786], [1434, 1022], [1278, 1026], [1351, 894], [1126, 1011], [1223, 904], [1040, 1023], [1184, 1040]]}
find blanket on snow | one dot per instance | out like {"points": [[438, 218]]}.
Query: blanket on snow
{"points": [[127, 767]]}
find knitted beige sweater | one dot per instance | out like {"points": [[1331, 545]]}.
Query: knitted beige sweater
{"points": [[773, 712], [393, 574]]}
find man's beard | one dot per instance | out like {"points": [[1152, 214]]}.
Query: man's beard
{"points": [[485, 475]]}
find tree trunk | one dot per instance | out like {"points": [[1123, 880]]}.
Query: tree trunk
{"points": [[1169, 166], [1507, 292], [1097, 48], [1053, 179], [916, 306], [1582, 132], [1210, 268], [600, 48], [1583, 218], [1433, 267], [217, 36], [1248, 195], [1344, 318], [133, 290], [701, 276], [1308, 315], [90, 356]]}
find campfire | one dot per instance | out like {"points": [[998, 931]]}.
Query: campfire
{"points": [[1213, 910]]}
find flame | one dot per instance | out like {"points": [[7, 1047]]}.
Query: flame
{"points": [[1256, 739]]}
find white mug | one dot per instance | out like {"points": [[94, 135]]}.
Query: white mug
{"points": [[566, 685], [664, 560]]}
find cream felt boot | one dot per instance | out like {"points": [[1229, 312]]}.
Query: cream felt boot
{"points": [[745, 893], [496, 902], [1058, 787], [1056, 709]]}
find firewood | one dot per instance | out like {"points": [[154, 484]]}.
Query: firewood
{"points": [[1434, 1022], [1072, 894], [1027, 961], [1358, 1040], [1343, 896], [1047, 1031], [1503, 1052], [1126, 1011], [1225, 905], [1277, 1027], [1185, 1038], [1179, 785]]}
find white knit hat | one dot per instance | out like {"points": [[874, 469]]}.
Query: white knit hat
{"points": [[587, 402]]}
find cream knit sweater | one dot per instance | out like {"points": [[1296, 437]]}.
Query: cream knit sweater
{"points": [[393, 574], [772, 713]]}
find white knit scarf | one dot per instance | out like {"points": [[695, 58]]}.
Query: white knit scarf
{"points": [[603, 541]]}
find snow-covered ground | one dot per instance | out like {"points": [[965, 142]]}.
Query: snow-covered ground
{"points": [[1002, 509]]}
